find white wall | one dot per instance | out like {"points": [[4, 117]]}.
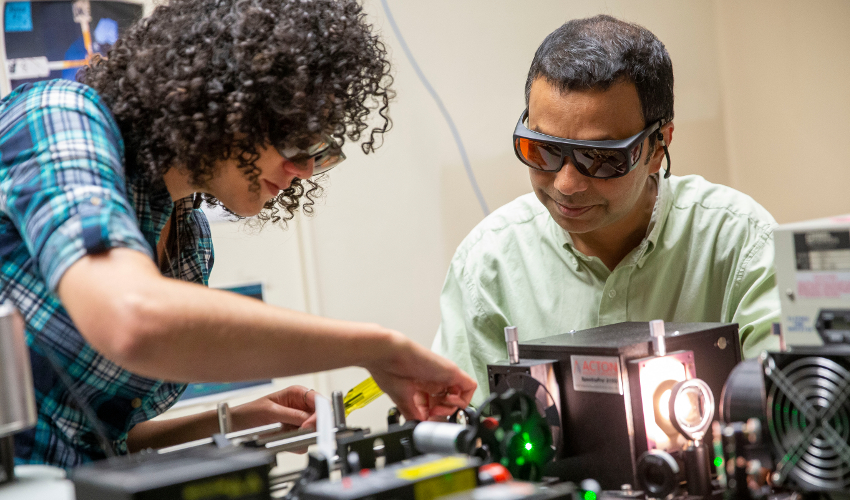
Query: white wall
{"points": [[785, 68]]}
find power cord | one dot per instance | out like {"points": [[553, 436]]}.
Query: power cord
{"points": [[445, 112]]}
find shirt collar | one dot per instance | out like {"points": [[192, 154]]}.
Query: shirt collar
{"points": [[663, 202], [562, 237], [660, 211], [153, 206]]}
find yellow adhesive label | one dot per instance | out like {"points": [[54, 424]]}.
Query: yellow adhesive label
{"points": [[441, 466], [224, 487], [446, 484]]}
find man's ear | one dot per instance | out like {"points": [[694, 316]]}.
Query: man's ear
{"points": [[658, 155]]}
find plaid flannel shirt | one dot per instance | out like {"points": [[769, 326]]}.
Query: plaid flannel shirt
{"points": [[63, 195]]}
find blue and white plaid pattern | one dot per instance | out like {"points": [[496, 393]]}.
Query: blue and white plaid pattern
{"points": [[63, 195]]}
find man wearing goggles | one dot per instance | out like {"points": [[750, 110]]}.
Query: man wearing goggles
{"points": [[596, 159], [605, 237]]}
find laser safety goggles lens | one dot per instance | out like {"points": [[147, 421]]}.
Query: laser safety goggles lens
{"points": [[597, 159], [325, 155]]}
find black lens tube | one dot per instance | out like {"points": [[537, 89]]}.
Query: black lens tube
{"points": [[658, 473], [698, 470]]}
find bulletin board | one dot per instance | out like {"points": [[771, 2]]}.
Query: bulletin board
{"points": [[54, 39]]}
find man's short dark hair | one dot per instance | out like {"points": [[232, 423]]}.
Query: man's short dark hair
{"points": [[597, 52]]}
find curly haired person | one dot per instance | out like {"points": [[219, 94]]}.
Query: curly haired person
{"points": [[105, 252]]}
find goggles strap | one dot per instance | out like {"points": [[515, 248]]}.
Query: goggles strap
{"points": [[660, 137]]}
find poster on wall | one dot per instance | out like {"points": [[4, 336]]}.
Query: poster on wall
{"points": [[54, 39]]}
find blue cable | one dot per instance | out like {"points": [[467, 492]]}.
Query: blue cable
{"points": [[443, 110]]}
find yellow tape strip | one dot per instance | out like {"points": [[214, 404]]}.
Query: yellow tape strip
{"points": [[361, 395]]}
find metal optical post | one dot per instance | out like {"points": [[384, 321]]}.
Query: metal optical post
{"points": [[17, 397]]}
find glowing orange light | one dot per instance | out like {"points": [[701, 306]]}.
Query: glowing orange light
{"points": [[654, 373]]}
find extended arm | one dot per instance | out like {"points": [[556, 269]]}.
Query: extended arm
{"points": [[169, 329], [293, 407]]}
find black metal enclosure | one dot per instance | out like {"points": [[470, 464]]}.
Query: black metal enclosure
{"points": [[601, 416]]}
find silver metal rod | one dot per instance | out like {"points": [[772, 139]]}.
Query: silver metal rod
{"points": [[303, 439], [339, 409], [659, 343], [255, 430], [263, 429], [225, 421], [293, 443], [512, 340]]}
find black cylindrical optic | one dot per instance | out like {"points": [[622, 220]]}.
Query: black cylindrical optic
{"points": [[743, 395], [658, 473], [698, 470]]}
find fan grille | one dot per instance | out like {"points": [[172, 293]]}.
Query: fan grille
{"points": [[808, 417]]}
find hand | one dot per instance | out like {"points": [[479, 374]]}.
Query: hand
{"points": [[421, 383], [294, 407]]}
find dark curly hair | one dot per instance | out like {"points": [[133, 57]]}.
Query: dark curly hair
{"points": [[204, 80]]}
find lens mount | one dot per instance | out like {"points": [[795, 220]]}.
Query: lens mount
{"points": [[691, 408]]}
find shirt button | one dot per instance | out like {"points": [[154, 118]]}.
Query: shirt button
{"points": [[136, 402], [96, 201], [612, 293]]}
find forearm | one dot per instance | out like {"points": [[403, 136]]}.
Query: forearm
{"points": [[196, 333], [162, 433], [168, 329]]}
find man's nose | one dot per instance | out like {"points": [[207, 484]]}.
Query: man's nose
{"points": [[569, 181]]}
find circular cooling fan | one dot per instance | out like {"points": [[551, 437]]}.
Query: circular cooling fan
{"points": [[545, 400], [808, 417]]}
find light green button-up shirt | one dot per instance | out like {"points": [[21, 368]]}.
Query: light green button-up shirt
{"points": [[707, 256]]}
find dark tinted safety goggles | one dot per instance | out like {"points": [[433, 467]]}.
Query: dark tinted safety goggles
{"points": [[325, 155], [597, 159]]}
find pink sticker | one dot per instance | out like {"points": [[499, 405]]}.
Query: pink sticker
{"points": [[823, 285]]}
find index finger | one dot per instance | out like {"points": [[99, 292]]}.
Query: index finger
{"points": [[454, 400], [309, 397], [464, 386]]}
